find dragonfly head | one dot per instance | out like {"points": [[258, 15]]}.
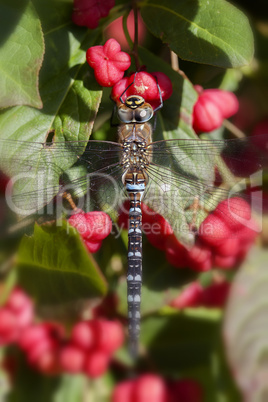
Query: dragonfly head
{"points": [[135, 110], [134, 101]]}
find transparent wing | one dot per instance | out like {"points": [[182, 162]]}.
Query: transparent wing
{"points": [[183, 174], [188, 178], [197, 157], [40, 171]]}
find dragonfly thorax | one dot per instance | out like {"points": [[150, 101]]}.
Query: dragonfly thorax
{"points": [[133, 132], [135, 160], [135, 155]]}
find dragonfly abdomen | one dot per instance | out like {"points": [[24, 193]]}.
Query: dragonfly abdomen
{"points": [[135, 183]]}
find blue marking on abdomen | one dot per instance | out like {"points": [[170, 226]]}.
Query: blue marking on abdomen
{"points": [[135, 187]]}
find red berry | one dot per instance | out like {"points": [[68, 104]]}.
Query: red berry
{"points": [[4, 180], [155, 239], [93, 227], [92, 247], [83, 335], [145, 86], [96, 364], [186, 391], [118, 90], [260, 137], [8, 326], [176, 254], [225, 262], [206, 115], [150, 387], [108, 62], [235, 212], [189, 297], [200, 258], [99, 225], [226, 101], [109, 334], [123, 392], [199, 89], [39, 349], [212, 106], [37, 339], [194, 295], [47, 362], [216, 294], [155, 227], [25, 317], [248, 233], [163, 228], [17, 300], [88, 12], [259, 140], [79, 222], [30, 336], [214, 230], [71, 359], [250, 164], [229, 247], [165, 85], [21, 305]]}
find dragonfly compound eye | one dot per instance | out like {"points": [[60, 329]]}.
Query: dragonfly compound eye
{"points": [[125, 114], [138, 115], [143, 113]]}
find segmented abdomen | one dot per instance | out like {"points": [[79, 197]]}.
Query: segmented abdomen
{"points": [[134, 274]]}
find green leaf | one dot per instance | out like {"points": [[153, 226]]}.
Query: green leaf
{"points": [[209, 32], [71, 388], [71, 99], [215, 377], [29, 385], [179, 342], [246, 327], [21, 54], [55, 267], [4, 381]]}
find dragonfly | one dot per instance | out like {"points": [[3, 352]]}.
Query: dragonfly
{"points": [[168, 176]]}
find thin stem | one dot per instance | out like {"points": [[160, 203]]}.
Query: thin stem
{"points": [[133, 46], [20, 225], [174, 61], [175, 65], [233, 129], [135, 51], [136, 28], [128, 38]]}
